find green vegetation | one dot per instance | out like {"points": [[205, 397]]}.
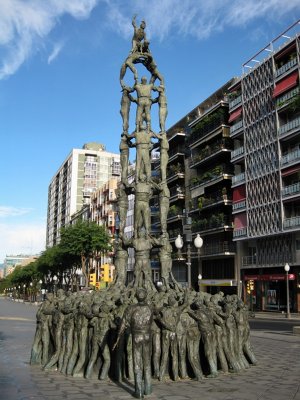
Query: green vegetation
{"points": [[79, 245]]}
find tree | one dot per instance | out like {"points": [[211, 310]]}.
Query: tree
{"points": [[82, 241]]}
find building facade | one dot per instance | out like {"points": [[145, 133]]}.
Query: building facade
{"points": [[265, 128], [12, 261], [80, 175]]}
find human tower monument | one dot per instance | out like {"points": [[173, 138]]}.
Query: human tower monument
{"points": [[145, 92], [135, 331]]}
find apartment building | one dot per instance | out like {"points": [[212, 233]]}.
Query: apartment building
{"points": [[210, 195], [12, 261], [80, 175], [265, 128]]}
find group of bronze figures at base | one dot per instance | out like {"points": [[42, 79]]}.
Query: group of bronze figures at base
{"points": [[138, 335]]}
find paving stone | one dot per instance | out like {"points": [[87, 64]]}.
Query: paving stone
{"points": [[276, 377]]}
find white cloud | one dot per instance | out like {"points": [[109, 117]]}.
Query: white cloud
{"points": [[57, 48], [25, 24], [197, 18], [7, 211], [21, 239]]}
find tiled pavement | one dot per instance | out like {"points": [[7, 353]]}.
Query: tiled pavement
{"points": [[276, 377]]}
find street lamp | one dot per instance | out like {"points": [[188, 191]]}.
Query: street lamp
{"points": [[40, 287], [55, 280], [198, 243], [179, 245], [199, 281], [287, 268], [24, 293], [31, 295]]}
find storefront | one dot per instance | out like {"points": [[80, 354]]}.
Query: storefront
{"points": [[268, 292]]}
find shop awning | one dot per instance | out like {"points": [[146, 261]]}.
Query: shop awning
{"points": [[235, 114], [269, 277], [286, 84]]}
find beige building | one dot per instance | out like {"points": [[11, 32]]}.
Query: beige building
{"points": [[80, 175]]}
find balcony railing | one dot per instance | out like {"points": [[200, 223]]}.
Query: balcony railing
{"points": [[239, 205], [174, 175], [238, 178], [237, 152], [235, 102], [217, 248], [291, 189], [209, 151], [294, 124], [248, 261], [215, 221], [240, 232], [290, 157], [280, 101], [206, 126], [286, 67], [290, 223], [177, 191], [234, 128], [177, 150]]}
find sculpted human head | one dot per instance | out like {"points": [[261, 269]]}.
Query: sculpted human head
{"points": [[141, 294]]}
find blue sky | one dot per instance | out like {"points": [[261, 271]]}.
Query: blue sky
{"points": [[59, 81]]}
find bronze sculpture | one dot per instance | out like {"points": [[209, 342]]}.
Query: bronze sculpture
{"points": [[76, 331]]}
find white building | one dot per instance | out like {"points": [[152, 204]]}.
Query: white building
{"points": [[80, 175]]}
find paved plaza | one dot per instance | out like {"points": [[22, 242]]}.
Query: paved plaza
{"points": [[277, 377]]}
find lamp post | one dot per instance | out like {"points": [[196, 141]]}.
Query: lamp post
{"points": [[24, 292], [31, 293], [41, 296], [199, 281], [54, 284], [287, 268], [198, 242]]}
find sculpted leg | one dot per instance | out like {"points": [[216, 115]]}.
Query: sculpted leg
{"points": [[106, 363]]}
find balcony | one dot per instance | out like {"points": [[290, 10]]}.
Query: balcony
{"points": [[291, 190], [240, 232], [174, 176], [210, 151], [207, 125], [238, 179], [214, 222], [175, 213], [285, 99], [173, 233], [249, 261], [154, 210], [286, 67], [177, 193], [291, 223], [236, 102], [236, 128], [174, 153], [289, 127], [291, 157], [219, 248], [237, 153], [239, 206]]}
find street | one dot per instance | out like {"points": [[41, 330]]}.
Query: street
{"points": [[276, 377], [276, 325]]}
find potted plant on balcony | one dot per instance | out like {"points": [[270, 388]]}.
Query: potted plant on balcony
{"points": [[200, 202]]}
